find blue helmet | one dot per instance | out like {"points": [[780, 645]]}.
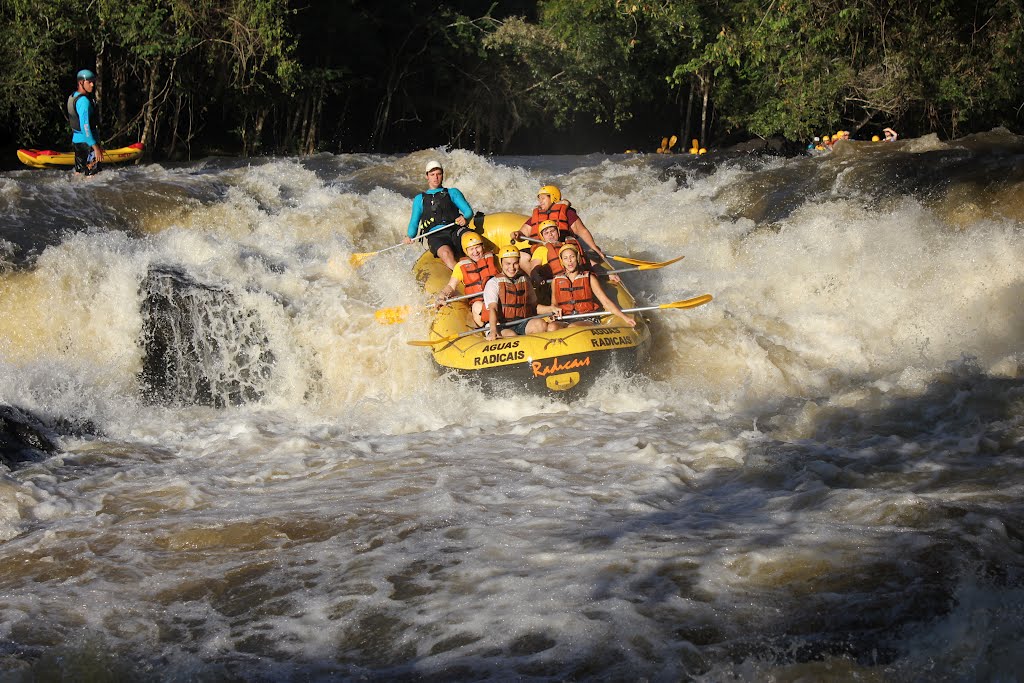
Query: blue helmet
{"points": [[86, 75]]}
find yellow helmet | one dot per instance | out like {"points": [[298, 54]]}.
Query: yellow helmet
{"points": [[875, 138], [551, 191], [568, 246], [508, 252], [469, 239], [544, 225], [825, 138]]}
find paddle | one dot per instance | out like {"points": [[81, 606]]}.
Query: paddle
{"points": [[359, 259], [685, 303], [647, 266], [624, 259], [397, 314], [460, 335], [633, 261]]}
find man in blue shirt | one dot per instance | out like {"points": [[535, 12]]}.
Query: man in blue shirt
{"points": [[81, 116], [436, 207]]}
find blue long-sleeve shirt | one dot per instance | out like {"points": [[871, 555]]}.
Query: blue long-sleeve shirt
{"points": [[84, 107], [417, 208]]}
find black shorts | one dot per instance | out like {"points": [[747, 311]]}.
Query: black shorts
{"points": [[443, 238], [519, 328], [84, 157]]}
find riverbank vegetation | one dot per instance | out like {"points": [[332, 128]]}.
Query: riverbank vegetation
{"points": [[247, 77]]}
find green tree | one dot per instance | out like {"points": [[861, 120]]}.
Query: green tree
{"points": [[35, 38]]}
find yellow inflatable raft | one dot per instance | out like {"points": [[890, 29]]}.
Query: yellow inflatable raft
{"points": [[569, 358], [47, 158]]}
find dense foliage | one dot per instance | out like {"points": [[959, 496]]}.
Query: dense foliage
{"points": [[296, 76]]}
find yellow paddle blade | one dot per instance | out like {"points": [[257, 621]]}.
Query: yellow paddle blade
{"points": [[689, 303], [672, 141], [359, 259], [390, 316], [634, 261], [653, 266]]}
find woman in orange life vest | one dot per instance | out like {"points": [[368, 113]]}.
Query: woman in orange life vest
{"points": [[551, 206], [510, 297], [473, 272], [577, 291], [545, 264]]}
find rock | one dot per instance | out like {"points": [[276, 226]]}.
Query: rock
{"points": [[24, 437]]}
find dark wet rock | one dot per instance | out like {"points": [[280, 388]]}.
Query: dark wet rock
{"points": [[774, 146], [24, 437], [202, 346]]}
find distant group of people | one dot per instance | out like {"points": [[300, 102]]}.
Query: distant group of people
{"points": [[668, 143], [825, 142], [507, 282]]}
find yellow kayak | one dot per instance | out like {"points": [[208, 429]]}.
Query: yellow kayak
{"points": [[47, 158], [569, 358]]}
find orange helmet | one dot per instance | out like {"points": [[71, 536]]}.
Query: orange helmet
{"points": [[551, 191]]}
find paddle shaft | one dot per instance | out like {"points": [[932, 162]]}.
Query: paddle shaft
{"points": [[687, 303], [451, 338], [397, 314], [507, 323], [461, 297], [633, 261], [417, 237], [576, 316], [647, 266]]}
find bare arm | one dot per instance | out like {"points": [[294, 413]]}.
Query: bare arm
{"points": [[552, 309], [584, 234], [492, 323], [607, 302], [447, 290], [524, 231]]}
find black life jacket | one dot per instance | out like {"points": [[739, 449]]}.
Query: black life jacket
{"points": [[438, 209], [72, 113]]}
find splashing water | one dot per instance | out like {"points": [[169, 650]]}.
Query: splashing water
{"points": [[817, 476]]}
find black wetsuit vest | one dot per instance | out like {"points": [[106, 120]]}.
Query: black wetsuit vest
{"points": [[438, 209], [72, 113]]}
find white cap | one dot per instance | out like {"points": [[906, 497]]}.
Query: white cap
{"points": [[431, 165]]}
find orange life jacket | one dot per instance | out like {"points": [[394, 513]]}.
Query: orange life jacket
{"points": [[513, 298], [574, 295], [475, 274], [558, 212], [554, 265]]}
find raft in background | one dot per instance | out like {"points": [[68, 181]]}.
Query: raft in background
{"points": [[569, 358], [47, 158]]}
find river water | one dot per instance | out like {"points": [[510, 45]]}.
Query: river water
{"points": [[818, 476]]}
